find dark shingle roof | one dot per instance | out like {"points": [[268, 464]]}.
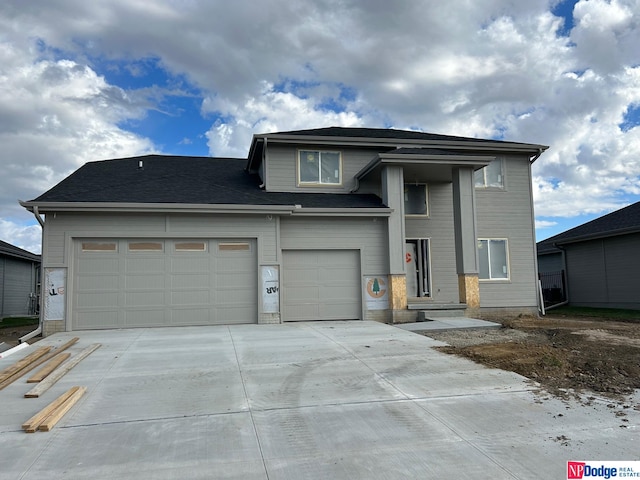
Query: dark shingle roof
{"points": [[378, 133], [186, 180], [13, 251], [625, 220]]}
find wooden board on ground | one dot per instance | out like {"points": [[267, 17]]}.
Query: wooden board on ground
{"points": [[21, 364], [60, 412], [48, 382], [48, 368], [33, 364], [34, 422]]}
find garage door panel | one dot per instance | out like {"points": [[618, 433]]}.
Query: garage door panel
{"points": [[190, 265], [144, 264], [321, 285], [144, 282], [195, 281], [190, 316], [102, 299], [143, 299], [103, 318], [92, 264], [99, 283], [149, 317], [185, 283], [191, 297]]}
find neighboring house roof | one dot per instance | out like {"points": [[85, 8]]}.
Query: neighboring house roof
{"points": [[6, 249], [623, 221], [184, 180]]}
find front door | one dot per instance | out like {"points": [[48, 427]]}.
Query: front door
{"points": [[418, 275]]}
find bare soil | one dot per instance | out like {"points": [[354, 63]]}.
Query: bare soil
{"points": [[565, 355], [11, 335]]}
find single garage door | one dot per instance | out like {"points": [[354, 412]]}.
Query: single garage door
{"points": [[147, 282], [321, 285]]}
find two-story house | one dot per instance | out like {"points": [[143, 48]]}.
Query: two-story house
{"points": [[323, 224]]}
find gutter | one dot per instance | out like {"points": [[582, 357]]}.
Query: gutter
{"points": [[537, 155]]}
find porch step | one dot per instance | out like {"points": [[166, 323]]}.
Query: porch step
{"points": [[434, 311]]}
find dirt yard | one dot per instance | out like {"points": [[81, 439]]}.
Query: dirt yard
{"points": [[565, 355], [11, 335]]}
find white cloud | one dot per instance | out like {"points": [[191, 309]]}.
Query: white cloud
{"points": [[27, 237], [496, 68], [55, 116], [270, 112]]}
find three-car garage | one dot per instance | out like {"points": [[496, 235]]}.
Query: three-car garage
{"points": [[151, 282]]}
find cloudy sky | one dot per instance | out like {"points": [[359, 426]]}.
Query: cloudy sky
{"points": [[83, 81]]}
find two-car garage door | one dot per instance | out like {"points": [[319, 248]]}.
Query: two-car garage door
{"points": [[159, 282]]}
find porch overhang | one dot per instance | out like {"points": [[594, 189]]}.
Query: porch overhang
{"points": [[423, 167]]}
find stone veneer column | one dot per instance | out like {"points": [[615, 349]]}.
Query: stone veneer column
{"points": [[393, 197], [466, 237], [469, 289]]}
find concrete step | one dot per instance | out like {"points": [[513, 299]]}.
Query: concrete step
{"points": [[429, 315]]}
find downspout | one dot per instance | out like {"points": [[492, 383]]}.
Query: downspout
{"points": [[38, 330]]}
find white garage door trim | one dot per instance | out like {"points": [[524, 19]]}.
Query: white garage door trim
{"points": [[321, 285], [125, 283]]}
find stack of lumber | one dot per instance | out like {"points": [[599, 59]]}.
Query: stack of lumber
{"points": [[31, 361], [46, 377], [46, 418]]}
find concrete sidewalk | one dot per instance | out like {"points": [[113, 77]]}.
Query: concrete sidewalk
{"points": [[320, 400]]}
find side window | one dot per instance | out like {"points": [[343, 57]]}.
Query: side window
{"points": [[493, 259], [490, 176], [319, 167], [416, 199]]}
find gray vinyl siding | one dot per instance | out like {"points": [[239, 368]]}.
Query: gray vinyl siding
{"points": [[551, 262], [107, 225], [17, 282], [506, 213], [603, 273], [282, 168], [438, 228], [321, 233]]}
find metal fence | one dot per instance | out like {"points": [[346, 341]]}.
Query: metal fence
{"points": [[554, 288]]}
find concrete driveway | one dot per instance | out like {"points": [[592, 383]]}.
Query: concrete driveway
{"points": [[330, 400]]}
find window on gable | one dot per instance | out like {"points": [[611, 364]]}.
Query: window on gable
{"points": [[415, 199], [493, 259], [490, 176], [316, 167]]}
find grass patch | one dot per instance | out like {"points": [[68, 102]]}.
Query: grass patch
{"points": [[607, 313], [12, 322]]}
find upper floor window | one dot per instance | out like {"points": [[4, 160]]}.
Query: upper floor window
{"points": [[319, 167], [415, 199], [493, 259], [490, 176]]}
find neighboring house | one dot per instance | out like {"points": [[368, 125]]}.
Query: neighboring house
{"points": [[600, 260], [324, 224], [19, 281]]}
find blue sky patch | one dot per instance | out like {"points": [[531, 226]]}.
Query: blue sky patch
{"points": [[631, 118]]}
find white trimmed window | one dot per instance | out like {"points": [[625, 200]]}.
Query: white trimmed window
{"points": [[493, 259], [415, 199], [491, 176], [317, 167]]}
